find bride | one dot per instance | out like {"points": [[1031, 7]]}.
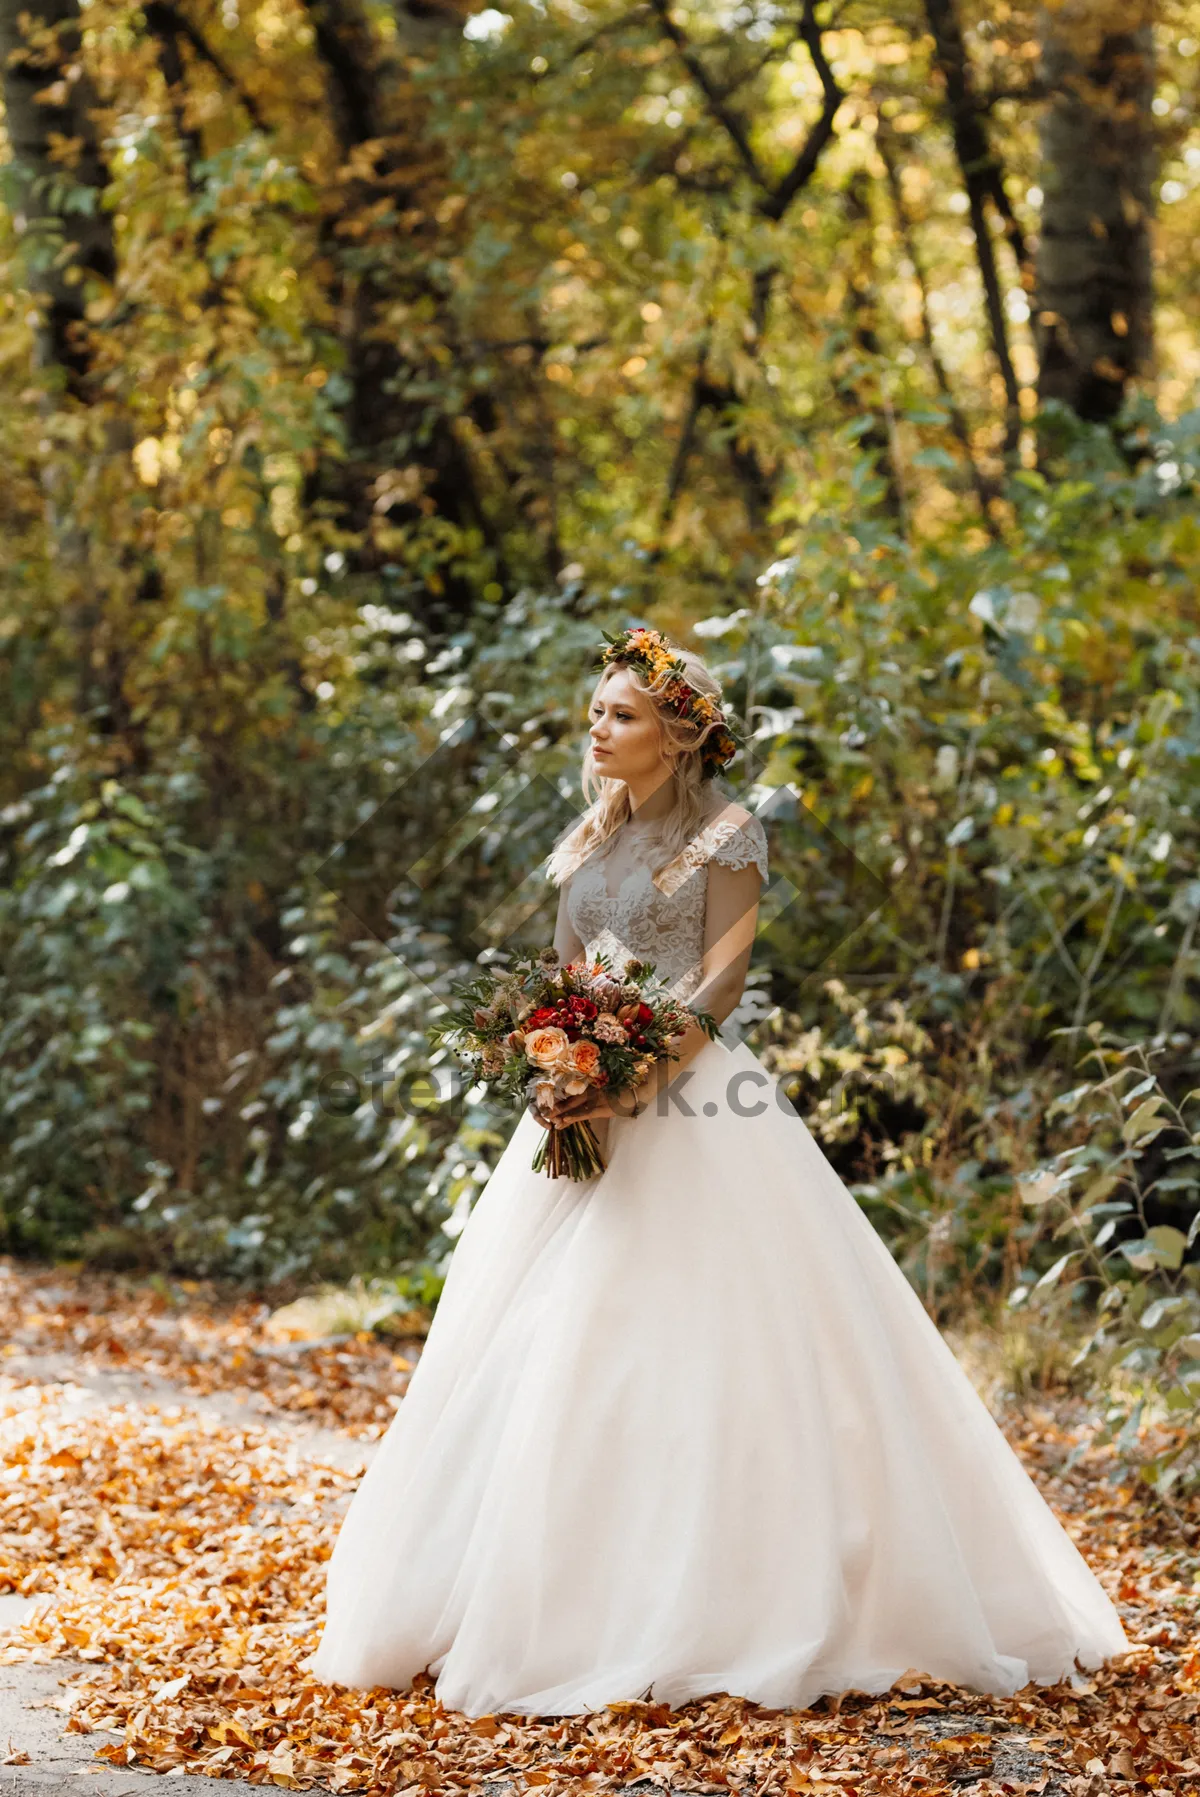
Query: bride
{"points": [[685, 1427]]}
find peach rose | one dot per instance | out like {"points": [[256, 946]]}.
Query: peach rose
{"points": [[584, 1057], [547, 1046]]}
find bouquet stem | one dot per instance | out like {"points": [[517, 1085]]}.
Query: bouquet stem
{"points": [[573, 1151]]}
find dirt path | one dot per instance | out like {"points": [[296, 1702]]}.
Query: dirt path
{"points": [[39, 1753]]}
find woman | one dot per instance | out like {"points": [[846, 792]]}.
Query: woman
{"points": [[686, 1427]]}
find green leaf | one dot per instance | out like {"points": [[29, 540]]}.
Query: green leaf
{"points": [[1169, 1244], [1142, 1119], [1099, 1188], [1141, 1359], [934, 457], [1040, 1189], [1160, 1310]]}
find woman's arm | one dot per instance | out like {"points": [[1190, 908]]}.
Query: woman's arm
{"points": [[569, 947]]}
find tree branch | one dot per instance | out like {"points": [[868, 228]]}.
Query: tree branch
{"points": [[166, 21], [986, 98], [983, 180], [683, 448], [802, 170], [984, 488], [733, 126], [775, 197], [595, 37], [347, 51]]}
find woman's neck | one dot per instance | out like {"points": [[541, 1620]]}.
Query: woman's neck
{"points": [[654, 804]]}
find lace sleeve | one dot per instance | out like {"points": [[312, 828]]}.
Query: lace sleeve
{"points": [[737, 845]]}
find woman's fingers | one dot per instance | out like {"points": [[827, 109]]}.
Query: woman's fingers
{"points": [[560, 1111], [569, 1112]]}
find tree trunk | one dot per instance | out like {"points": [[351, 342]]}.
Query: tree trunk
{"points": [[44, 58], [373, 103], [1095, 283], [64, 236], [983, 179], [860, 385]]}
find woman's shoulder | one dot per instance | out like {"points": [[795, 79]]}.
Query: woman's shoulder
{"points": [[734, 837]]}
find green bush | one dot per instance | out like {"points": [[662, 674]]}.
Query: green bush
{"points": [[995, 746]]}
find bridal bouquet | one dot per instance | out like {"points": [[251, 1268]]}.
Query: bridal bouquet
{"points": [[541, 1030]]}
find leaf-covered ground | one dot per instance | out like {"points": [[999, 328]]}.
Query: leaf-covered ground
{"points": [[183, 1557]]}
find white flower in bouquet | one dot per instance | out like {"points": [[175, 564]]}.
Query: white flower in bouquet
{"points": [[543, 1092], [606, 992], [607, 1029]]}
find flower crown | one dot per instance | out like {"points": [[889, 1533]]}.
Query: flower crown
{"points": [[650, 653]]}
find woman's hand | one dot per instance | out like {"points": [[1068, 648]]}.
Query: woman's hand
{"points": [[591, 1106], [556, 1113], [539, 1115], [594, 1106], [583, 1107]]}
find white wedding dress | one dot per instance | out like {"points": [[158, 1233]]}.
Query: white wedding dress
{"points": [[686, 1427]]}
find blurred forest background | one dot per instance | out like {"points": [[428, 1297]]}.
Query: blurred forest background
{"points": [[360, 362]]}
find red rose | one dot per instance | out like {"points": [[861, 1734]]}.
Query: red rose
{"points": [[644, 1014], [542, 1015]]}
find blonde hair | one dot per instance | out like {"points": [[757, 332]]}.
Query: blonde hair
{"points": [[609, 807]]}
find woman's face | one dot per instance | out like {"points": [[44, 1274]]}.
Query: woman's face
{"points": [[625, 732]]}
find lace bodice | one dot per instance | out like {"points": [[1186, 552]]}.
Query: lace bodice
{"points": [[663, 923]]}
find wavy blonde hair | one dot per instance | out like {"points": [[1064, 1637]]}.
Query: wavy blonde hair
{"points": [[608, 800]]}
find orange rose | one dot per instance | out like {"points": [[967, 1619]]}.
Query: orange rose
{"points": [[545, 1047], [584, 1057]]}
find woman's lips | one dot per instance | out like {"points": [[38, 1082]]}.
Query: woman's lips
{"points": [[596, 751]]}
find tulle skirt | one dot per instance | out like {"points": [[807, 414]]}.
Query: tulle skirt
{"points": [[687, 1428]]}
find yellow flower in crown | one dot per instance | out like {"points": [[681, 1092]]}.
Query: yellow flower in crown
{"points": [[650, 653]]}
